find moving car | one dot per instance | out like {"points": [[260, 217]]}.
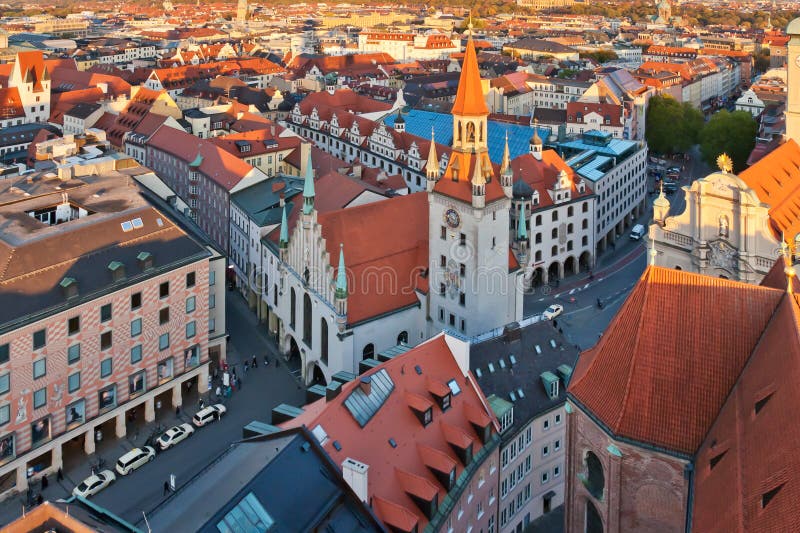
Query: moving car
{"points": [[209, 414], [94, 484], [670, 186], [553, 311], [637, 232], [174, 435], [134, 459]]}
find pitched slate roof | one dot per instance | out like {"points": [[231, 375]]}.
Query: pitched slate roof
{"points": [[667, 362]]}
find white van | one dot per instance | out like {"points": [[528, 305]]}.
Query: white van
{"points": [[134, 459], [637, 232]]}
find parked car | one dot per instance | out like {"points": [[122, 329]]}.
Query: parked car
{"points": [[637, 232], [670, 186], [174, 435], [94, 484], [209, 414], [674, 170], [553, 311], [134, 459]]}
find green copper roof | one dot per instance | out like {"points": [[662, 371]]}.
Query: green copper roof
{"points": [[341, 276], [499, 406], [197, 161], [522, 226], [284, 229], [308, 187], [66, 282]]}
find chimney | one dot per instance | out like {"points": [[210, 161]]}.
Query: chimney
{"points": [[355, 474], [366, 385], [282, 201]]}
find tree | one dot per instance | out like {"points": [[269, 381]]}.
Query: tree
{"points": [[671, 127], [730, 133]]}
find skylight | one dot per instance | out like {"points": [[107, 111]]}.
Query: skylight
{"points": [[512, 396], [454, 388], [248, 515], [478, 372], [520, 393], [512, 359], [538, 349], [320, 434], [364, 406], [553, 343], [127, 226], [491, 368], [502, 363], [137, 223]]}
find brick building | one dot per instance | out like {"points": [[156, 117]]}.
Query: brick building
{"points": [[104, 308], [682, 417]]}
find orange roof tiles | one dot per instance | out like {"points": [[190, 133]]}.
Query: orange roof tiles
{"points": [[666, 363], [375, 242], [10, 104], [775, 178], [396, 470], [32, 67], [469, 97], [456, 180]]}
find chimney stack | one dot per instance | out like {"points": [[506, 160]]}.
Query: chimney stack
{"points": [[366, 385], [355, 474]]}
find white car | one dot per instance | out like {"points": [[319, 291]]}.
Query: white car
{"points": [[94, 484], [209, 414], [134, 459], [174, 435], [553, 311]]}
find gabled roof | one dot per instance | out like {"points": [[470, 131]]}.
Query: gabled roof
{"points": [[405, 463], [753, 443], [375, 242], [667, 362], [775, 178]]}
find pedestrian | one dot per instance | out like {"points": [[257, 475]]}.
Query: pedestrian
{"points": [[239, 383], [202, 404], [178, 411], [233, 370], [266, 361], [60, 474], [255, 362], [246, 366], [39, 499], [44, 482], [218, 392], [166, 487]]}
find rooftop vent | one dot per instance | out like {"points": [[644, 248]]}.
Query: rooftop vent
{"points": [[337, 446], [538, 349], [366, 385], [332, 390], [392, 443], [418, 369]]}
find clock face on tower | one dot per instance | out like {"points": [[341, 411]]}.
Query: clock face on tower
{"points": [[452, 218]]}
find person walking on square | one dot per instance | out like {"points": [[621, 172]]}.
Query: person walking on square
{"points": [[60, 474], [255, 362], [44, 482], [166, 487]]}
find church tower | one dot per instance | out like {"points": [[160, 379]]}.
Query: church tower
{"points": [[793, 82], [241, 11], [471, 289]]}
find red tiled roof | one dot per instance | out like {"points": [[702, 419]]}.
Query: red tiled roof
{"points": [[542, 174], [775, 178], [257, 139], [10, 104], [32, 66], [375, 242], [394, 471], [666, 363], [611, 111], [222, 167]]}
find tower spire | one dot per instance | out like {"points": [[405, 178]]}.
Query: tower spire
{"points": [[506, 173], [469, 97], [284, 238], [505, 165], [308, 188], [522, 226], [432, 166]]}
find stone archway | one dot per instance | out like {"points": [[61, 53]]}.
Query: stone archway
{"points": [[538, 277], [554, 271], [570, 266], [585, 261]]}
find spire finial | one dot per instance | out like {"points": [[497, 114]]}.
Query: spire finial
{"points": [[341, 275], [284, 238], [505, 165], [308, 187]]}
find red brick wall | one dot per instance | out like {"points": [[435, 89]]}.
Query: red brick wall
{"points": [[644, 490]]}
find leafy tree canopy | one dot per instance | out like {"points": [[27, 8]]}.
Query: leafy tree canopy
{"points": [[730, 133]]}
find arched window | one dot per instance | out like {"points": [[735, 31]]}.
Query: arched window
{"points": [[293, 309], [369, 351], [470, 132], [594, 524], [554, 233], [403, 337], [323, 339], [595, 479], [307, 319], [459, 130]]}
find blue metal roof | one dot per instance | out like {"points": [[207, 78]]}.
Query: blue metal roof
{"points": [[420, 122], [591, 170], [614, 148]]}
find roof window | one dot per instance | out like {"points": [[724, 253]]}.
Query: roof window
{"points": [[538, 349], [502, 364], [454, 387], [769, 495], [550, 382], [491, 368], [762, 402]]}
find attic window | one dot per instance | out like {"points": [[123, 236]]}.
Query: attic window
{"points": [[550, 382], [145, 260], [512, 396], [538, 349], [762, 402], [69, 286], [392, 443], [137, 223], [478, 372], [769, 495], [117, 270], [716, 459], [491, 368], [512, 359], [502, 364], [520, 393], [127, 225]]}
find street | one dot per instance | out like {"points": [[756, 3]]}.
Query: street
{"points": [[262, 389]]}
